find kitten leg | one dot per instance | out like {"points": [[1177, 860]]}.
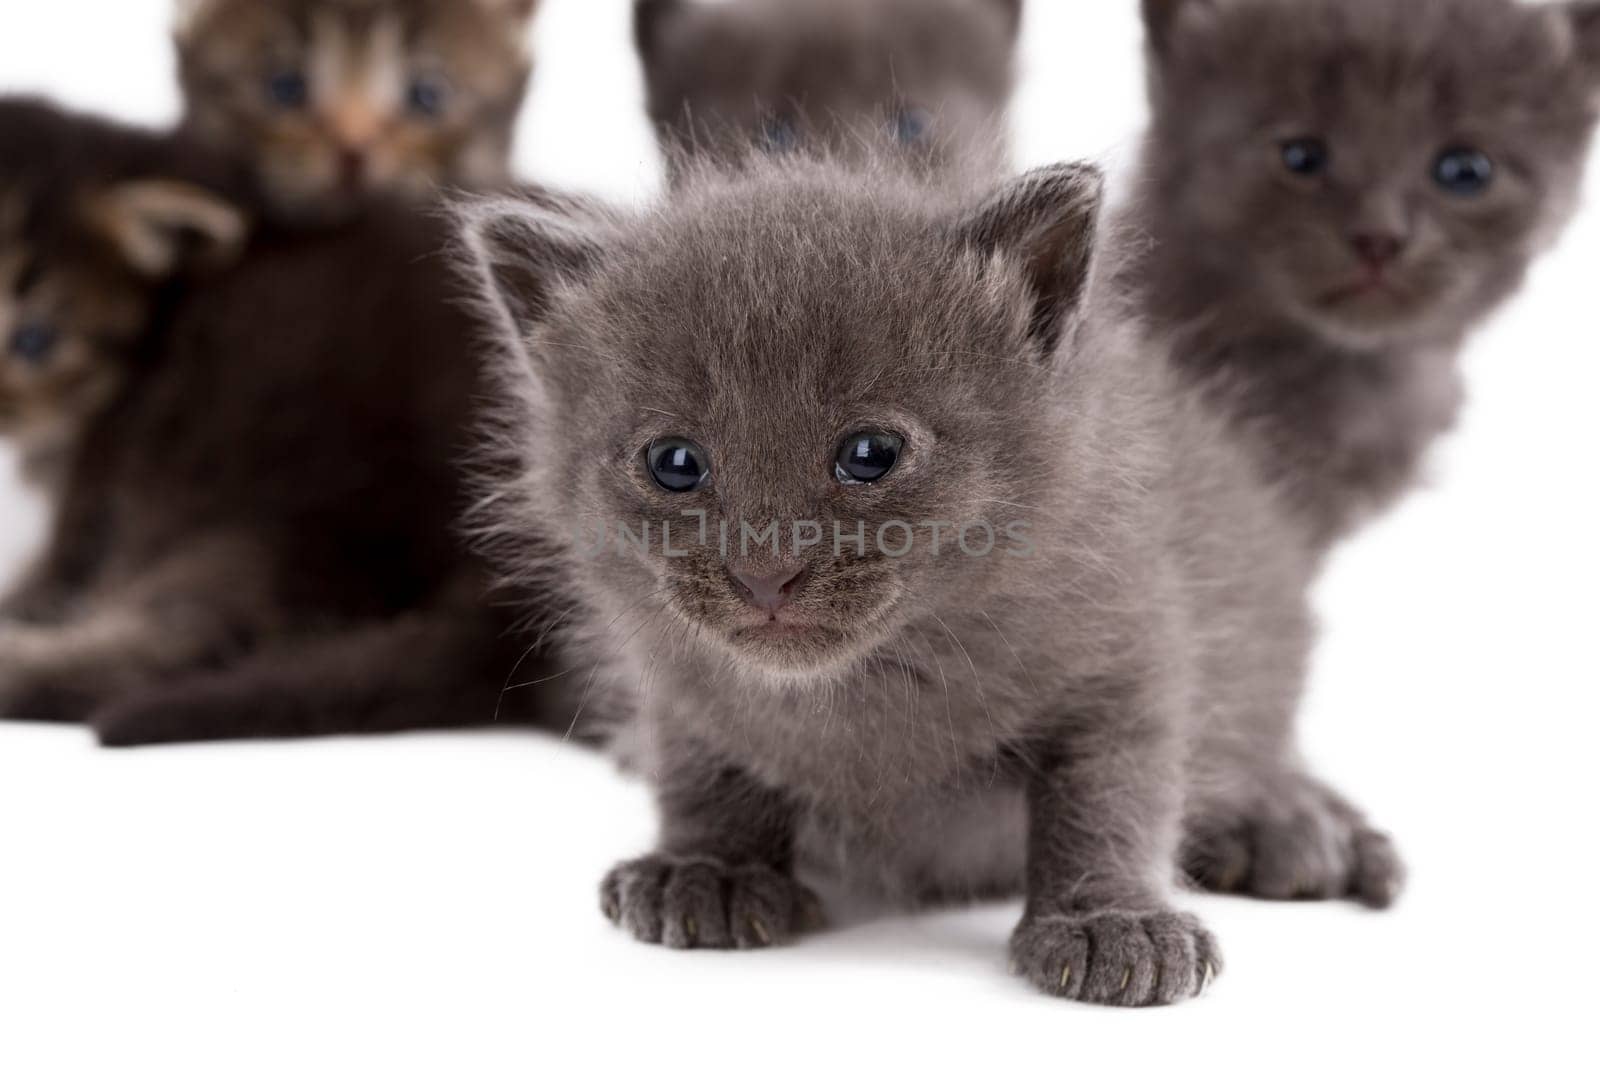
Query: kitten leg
{"points": [[187, 613], [1290, 837], [1103, 820], [722, 877]]}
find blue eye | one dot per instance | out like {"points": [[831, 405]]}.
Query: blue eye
{"points": [[1463, 171], [867, 458], [33, 344], [779, 135], [289, 89], [912, 125], [1305, 156], [677, 465], [427, 96]]}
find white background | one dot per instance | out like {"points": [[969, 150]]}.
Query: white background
{"points": [[432, 899]]}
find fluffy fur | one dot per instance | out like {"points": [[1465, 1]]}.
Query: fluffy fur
{"points": [[328, 100], [1323, 312], [933, 724], [254, 531], [842, 77]]}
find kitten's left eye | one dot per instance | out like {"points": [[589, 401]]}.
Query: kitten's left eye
{"points": [[779, 135], [289, 89], [867, 458], [34, 344], [678, 465], [912, 125], [1305, 156], [1463, 171], [427, 96]]}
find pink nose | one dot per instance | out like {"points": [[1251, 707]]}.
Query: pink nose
{"points": [[1377, 250], [771, 591]]}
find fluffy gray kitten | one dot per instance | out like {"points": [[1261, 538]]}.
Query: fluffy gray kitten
{"points": [[930, 79], [1019, 608], [1333, 194]]}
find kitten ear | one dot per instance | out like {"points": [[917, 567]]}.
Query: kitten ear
{"points": [[652, 21], [1584, 19], [186, 14], [1047, 220], [160, 227], [1163, 17], [1011, 11], [521, 252], [517, 9]]}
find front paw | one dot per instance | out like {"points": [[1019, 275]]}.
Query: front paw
{"points": [[699, 903], [1123, 959]]}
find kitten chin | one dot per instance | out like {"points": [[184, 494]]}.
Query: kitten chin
{"points": [[1310, 243]]}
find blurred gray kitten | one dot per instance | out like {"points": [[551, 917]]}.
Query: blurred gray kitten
{"points": [[1335, 192], [875, 373], [845, 77]]}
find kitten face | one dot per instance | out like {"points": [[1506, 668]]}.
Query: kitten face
{"points": [[331, 99], [845, 77], [65, 325], [1381, 171], [90, 230], [786, 351]]}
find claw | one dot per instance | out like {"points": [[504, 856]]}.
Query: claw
{"points": [[1066, 975], [690, 927], [1127, 978], [612, 912], [1205, 981], [760, 930]]}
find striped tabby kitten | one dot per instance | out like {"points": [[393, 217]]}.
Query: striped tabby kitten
{"points": [[330, 99]]}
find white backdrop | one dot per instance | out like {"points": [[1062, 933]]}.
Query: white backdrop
{"points": [[432, 899]]}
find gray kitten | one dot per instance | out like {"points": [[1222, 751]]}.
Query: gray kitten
{"points": [[930, 579], [846, 77], [1335, 192]]}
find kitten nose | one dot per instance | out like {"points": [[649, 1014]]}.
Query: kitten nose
{"points": [[352, 167], [1378, 250], [771, 591]]}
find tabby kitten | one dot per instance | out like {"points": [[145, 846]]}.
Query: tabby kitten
{"points": [[328, 100], [1335, 192], [928, 576], [256, 467], [839, 76]]}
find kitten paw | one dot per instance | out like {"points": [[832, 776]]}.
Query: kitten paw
{"points": [[1301, 842], [699, 903], [1120, 959]]}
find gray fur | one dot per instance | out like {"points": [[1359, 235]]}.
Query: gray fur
{"points": [[848, 78], [942, 727], [1242, 263]]}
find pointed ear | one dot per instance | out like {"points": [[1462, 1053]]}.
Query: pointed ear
{"points": [[521, 252], [186, 15], [161, 228], [1162, 19], [1047, 221], [1011, 10], [517, 9], [652, 21], [1584, 19]]}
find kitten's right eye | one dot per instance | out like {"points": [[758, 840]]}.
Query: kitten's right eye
{"points": [[677, 465], [289, 89], [33, 344], [1306, 157]]}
